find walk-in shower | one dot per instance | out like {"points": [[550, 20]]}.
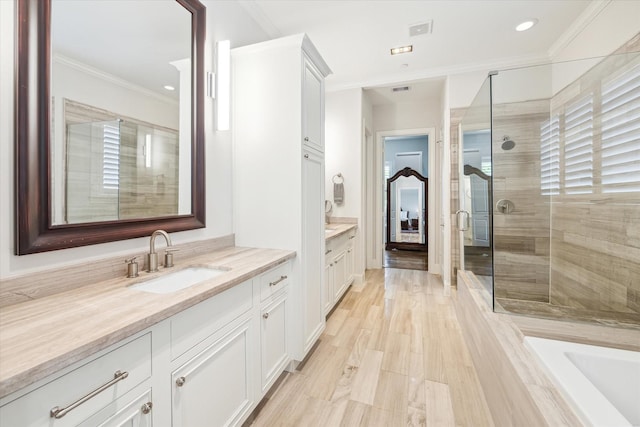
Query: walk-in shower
{"points": [[549, 189]]}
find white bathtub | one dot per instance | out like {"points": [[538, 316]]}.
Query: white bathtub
{"points": [[602, 384]]}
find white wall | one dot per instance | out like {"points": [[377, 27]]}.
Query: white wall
{"points": [[344, 112], [225, 21], [343, 135], [408, 115]]}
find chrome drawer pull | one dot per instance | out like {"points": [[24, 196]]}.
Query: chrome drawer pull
{"points": [[328, 251], [278, 281], [59, 413], [180, 381], [266, 315]]}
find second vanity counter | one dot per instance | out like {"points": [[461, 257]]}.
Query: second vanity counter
{"points": [[40, 337], [334, 230]]}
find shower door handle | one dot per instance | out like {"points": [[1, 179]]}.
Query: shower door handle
{"points": [[466, 219]]}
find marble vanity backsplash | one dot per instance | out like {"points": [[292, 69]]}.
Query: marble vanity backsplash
{"points": [[27, 287]]}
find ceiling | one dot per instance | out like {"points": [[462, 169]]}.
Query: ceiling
{"points": [[117, 38], [355, 37]]}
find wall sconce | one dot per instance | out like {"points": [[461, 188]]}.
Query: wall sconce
{"points": [[147, 150], [223, 89]]}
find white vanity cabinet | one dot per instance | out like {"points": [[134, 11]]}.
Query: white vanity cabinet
{"points": [[278, 170], [209, 365], [108, 377], [339, 268], [214, 388]]}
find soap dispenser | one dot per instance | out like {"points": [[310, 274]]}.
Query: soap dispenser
{"points": [[132, 267]]}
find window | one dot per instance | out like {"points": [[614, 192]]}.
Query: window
{"points": [[111, 157], [550, 156], [621, 132], [578, 147]]}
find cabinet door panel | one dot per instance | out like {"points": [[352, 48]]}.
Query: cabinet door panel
{"points": [[312, 246], [213, 388], [339, 275], [125, 412], [312, 106], [274, 341], [350, 263]]}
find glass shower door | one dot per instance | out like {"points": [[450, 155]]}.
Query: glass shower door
{"points": [[473, 219]]}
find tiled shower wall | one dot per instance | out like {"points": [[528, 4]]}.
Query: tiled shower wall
{"points": [[595, 235], [521, 238]]}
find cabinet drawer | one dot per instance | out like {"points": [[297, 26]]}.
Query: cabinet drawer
{"points": [[274, 280], [34, 408], [193, 325]]}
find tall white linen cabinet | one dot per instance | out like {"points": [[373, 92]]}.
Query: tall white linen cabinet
{"points": [[278, 171]]}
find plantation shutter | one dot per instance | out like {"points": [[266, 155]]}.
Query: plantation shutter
{"points": [[621, 133]]}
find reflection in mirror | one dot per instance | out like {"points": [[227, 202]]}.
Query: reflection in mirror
{"points": [[104, 151], [407, 211], [121, 111]]}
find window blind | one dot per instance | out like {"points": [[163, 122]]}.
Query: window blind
{"points": [[578, 147], [111, 157], [621, 132], [550, 156]]}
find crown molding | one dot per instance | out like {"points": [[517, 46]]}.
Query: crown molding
{"points": [[257, 14], [429, 73], [110, 78], [577, 26]]}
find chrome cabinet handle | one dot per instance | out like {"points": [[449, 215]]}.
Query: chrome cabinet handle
{"points": [[266, 315], [352, 237], [146, 408], [278, 281], [306, 138], [306, 156], [328, 251], [58, 413], [180, 381]]}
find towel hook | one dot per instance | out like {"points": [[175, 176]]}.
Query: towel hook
{"points": [[340, 179]]}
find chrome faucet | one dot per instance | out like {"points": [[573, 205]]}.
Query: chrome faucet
{"points": [[152, 256]]}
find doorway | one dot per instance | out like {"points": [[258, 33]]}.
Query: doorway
{"points": [[405, 198]]}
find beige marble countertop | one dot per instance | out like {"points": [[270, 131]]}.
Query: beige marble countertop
{"points": [[40, 337], [334, 230]]}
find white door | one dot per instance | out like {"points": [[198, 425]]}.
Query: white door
{"points": [[479, 210]]}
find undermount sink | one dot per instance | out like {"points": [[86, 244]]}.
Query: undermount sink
{"points": [[178, 280]]}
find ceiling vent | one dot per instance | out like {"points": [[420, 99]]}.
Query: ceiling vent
{"points": [[421, 29], [400, 89]]}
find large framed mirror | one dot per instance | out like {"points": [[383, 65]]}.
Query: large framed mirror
{"points": [[407, 225], [109, 121]]}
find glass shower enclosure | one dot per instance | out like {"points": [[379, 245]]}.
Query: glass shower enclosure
{"points": [[549, 189]]}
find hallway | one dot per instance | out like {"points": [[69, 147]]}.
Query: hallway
{"points": [[392, 355]]}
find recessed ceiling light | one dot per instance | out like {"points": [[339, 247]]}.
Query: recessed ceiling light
{"points": [[168, 87], [401, 49], [524, 26]]}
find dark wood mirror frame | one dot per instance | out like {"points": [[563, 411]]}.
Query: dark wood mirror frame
{"points": [[34, 232], [407, 172]]}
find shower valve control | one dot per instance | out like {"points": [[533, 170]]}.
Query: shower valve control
{"points": [[505, 206]]}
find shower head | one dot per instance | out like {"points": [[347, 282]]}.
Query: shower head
{"points": [[507, 144]]}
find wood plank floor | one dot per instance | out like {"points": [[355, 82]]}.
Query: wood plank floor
{"points": [[410, 260], [392, 355]]}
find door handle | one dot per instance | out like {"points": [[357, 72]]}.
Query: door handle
{"points": [[466, 221]]}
